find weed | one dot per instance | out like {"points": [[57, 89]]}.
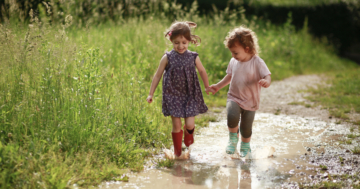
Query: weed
{"points": [[356, 122], [217, 110], [203, 120], [339, 114], [348, 141], [296, 103], [356, 150], [352, 129], [351, 136], [301, 103], [323, 167], [165, 163], [277, 111]]}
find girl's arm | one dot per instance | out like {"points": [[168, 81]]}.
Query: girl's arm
{"points": [[157, 77], [225, 81], [202, 73]]}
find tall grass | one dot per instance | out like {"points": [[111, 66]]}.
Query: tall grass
{"points": [[72, 101], [302, 2]]}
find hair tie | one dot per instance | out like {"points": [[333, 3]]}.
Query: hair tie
{"points": [[170, 33]]}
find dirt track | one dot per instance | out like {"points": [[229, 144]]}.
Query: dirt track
{"points": [[277, 97]]}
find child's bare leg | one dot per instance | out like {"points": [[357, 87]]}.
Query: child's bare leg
{"points": [[245, 139], [234, 130], [190, 123], [176, 123]]}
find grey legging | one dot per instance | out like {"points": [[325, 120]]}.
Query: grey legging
{"points": [[233, 117]]}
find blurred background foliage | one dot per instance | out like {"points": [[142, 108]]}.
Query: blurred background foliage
{"points": [[337, 20], [75, 76]]}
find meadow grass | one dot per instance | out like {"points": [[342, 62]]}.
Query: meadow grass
{"points": [[342, 97], [72, 101], [300, 3]]}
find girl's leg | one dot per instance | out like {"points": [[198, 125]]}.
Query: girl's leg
{"points": [[177, 134], [176, 123], [190, 123], [189, 128], [233, 117], [247, 119]]}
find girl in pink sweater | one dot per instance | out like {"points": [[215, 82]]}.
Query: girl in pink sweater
{"points": [[246, 74]]}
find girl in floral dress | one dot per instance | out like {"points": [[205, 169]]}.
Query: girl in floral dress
{"points": [[182, 96]]}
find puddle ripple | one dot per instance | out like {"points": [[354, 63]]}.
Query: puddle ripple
{"points": [[295, 139]]}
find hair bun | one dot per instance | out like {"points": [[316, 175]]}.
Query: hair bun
{"points": [[191, 24]]}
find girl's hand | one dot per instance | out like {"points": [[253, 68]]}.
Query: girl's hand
{"points": [[209, 89], [214, 89], [149, 99], [264, 83]]}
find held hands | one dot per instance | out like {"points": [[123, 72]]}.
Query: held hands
{"points": [[213, 89], [149, 99], [264, 83]]}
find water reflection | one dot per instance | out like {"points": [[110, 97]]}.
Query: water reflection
{"points": [[210, 167]]}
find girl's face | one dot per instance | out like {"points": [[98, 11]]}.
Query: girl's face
{"points": [[180, 44], [240, 53]]}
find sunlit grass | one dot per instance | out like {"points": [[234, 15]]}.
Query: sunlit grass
{"points": [[300, 3], [72, 101], [168, 163], [342, 97]]}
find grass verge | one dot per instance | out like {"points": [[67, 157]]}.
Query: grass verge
{"points": [[342, 97]]}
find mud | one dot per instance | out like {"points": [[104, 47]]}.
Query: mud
{"points": [[311, 148], [302, 145]]}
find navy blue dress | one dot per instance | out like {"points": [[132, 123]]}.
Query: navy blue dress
{"points": [[182, 96]]}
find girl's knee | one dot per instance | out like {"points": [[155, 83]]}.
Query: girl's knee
{"points": [[245, 134], [232, 124], [232, 121]]}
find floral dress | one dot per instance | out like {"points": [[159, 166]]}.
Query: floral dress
{"points": [[182, 96]]}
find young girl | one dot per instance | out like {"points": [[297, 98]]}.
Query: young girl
{"points": [[246, 74], [182, 96]]}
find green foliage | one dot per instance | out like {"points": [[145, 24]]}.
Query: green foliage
{"points": [[203, 120], [300, 3], [323, 167], [356, 150], [72, 101], [342, 97], [168, 163]]}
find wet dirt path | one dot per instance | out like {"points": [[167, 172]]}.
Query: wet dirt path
{"points": [[297, 134], [210, 167]]}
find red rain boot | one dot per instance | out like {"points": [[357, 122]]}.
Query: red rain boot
{"points": [[177, 140], [188, 138]]}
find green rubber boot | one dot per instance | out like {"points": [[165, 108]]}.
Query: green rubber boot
{"points": [[244, 148], [233, 141]]}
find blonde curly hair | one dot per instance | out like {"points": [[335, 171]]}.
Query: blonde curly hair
{"points": [[245, 37]]}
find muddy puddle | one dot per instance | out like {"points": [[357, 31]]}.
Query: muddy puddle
{"points": [[295, 139]]}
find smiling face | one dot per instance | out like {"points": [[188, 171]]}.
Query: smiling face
{"points": [[240, 53], [180, 44]]}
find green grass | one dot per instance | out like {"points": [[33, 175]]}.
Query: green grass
{"points": [[300, 103], [168, 163], [356, 150], [301, 2], [323, 167], [342, 97], [203, 120], [72, 101]]}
